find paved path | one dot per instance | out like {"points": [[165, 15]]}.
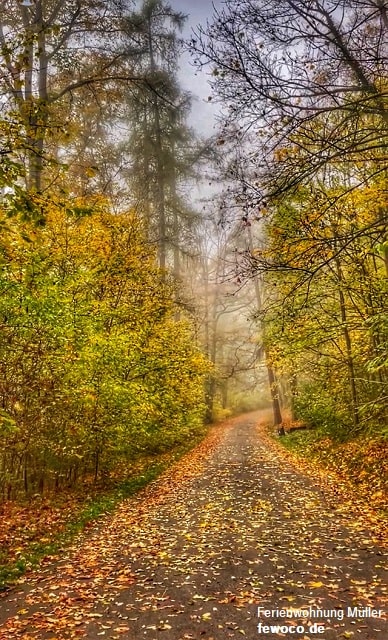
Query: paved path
{"points": [[230, 528]]}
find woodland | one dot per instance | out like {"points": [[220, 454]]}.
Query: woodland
{"points": [[131, 313]]}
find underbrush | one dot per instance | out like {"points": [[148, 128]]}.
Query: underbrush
{"points": [[361, 461]]}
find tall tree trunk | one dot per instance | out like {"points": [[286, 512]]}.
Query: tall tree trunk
{"points": [[225, 389], [274, 388], [160, 176], [293, 393], [35, 109], [348, 345], [209, 390], [272, 381], [161, 204], [177, 255]]}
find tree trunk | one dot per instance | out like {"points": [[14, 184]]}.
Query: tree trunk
{"points": [[160, 178], [348, 346], [273, 385], [293, 394], [274, 388]]}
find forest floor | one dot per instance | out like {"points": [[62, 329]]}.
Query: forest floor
{"points": [[233, 526]]}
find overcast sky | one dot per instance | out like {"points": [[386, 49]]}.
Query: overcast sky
{"points": [[203, 112]]}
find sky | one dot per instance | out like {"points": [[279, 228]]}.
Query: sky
{"points": [[203, 115]]}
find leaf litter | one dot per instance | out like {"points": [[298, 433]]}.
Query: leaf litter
{"points": [[230, 527]]}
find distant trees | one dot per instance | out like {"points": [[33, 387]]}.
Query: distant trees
{"points": [[225, 326], [305, 95], [79, 78], [161, 147]]}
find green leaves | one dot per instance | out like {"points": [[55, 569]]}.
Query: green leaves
{"points": [[95, 369]]}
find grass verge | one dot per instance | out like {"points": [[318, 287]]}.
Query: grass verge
{"points": [[42, 528]]}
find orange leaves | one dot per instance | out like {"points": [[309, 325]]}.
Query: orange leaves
{"points": [[353, 475], [121, 629], [125, 578], [153, 567], [101, 368]]}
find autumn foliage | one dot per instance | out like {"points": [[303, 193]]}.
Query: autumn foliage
{"points": [[95, 370], [304, 91]]}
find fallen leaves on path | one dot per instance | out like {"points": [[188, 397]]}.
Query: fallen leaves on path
{"points": [[230, 527]]}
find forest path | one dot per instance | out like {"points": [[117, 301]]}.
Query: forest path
{"points": [[230, 527]]}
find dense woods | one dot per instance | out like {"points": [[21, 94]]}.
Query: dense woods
{"points": [[99, 360], [303, 86], [155, 279], [94, 368]]}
